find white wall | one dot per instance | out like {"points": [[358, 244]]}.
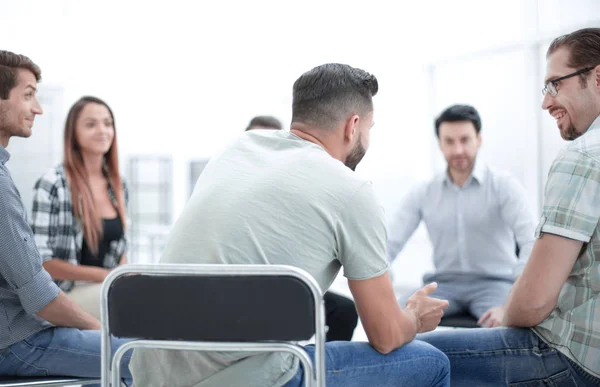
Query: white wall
{"points": [[184, 78]]}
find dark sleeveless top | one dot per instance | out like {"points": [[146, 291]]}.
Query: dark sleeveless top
{"points": [[113, 231]]}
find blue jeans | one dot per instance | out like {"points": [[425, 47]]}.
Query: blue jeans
{"points": [[356, 364], [514, 357], [59, 351]]}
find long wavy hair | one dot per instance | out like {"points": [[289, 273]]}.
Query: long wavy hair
{"points": [[77, 176]]}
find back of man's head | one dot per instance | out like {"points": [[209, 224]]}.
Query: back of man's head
{"points": [[456, 113], [327, 94], [264, 122], [10, 63], [583, 46]]}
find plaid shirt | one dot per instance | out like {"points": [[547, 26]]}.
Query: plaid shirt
{"points": [[58, 233], [572, 210]]}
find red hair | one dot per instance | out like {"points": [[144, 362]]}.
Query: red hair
{"points": [[81, 193]]}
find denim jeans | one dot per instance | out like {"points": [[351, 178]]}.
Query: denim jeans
{"points": [[357, 364], [514, 357], [59, 351]]}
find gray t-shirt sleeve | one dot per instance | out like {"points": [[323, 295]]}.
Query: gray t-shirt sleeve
{"points": [[362, 236]]}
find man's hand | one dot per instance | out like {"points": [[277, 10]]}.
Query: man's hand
{"points": [[428, 310], [492, 318]]}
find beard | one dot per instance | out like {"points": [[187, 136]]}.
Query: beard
{"points": [[356, 154], [3, 116], [468, 164], [570, 134], [9, 124]]}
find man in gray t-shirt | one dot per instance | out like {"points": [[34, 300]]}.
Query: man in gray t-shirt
{"points": [[341, 317], [279, 197]]}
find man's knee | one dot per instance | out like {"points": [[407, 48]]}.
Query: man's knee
{"points": [[435, 358], [433, 364], [441, 364]]}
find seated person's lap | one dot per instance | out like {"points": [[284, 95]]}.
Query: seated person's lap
{"points": [[87, 296], [502, 356], [358, 364], [59, 351], [466, 293]]}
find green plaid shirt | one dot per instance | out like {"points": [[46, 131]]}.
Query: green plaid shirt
{"points": [[572, 210]]}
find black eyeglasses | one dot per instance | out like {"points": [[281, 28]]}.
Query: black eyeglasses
{"points": [[551, 85]]}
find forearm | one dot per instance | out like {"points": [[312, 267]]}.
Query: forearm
{"points": [[405, 221], [398, 236], [62, 270], [535, 293], [387, 326], [63, 312], [521, 310], [409, 325], [523, 317], [388, 334]]}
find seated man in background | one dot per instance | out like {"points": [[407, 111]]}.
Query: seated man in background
{"points": [[292, 198], [264, 122], [341, 317], [42, 331], [474, 216]]}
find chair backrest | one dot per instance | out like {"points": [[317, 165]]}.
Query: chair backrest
{"points": [[212, 303], [211, 308]]}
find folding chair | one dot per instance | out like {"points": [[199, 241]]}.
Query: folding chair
{"points": [[255, 308], [463, 320], [49, 381]]}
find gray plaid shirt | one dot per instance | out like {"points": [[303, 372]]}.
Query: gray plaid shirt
{"points": [[58, 233], [572, 210], [25, 287]]}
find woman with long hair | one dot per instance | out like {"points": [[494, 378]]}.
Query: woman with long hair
{"points": [[78, 215]]}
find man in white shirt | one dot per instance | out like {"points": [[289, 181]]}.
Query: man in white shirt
{"points": [[476, 216]]}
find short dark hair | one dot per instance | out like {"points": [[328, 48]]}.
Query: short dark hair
{"points": [[9, 63], [583, 46], [324, 95], [267, 122], [457, 113]]}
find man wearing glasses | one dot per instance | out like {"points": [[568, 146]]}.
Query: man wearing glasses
{"points": [[554, 307]]}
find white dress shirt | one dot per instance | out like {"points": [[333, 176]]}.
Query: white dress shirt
{"points": [[474, 228]]}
